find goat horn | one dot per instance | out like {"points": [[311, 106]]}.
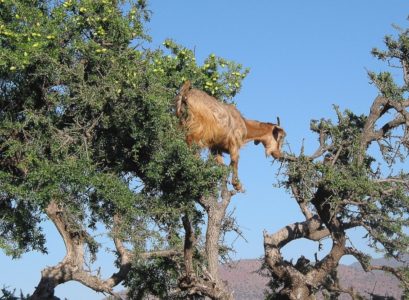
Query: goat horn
{"points": [[278, 121]]}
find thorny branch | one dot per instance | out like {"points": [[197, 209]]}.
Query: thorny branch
{"points": [[322, 223]]}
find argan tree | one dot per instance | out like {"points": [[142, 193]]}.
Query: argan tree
{"points": [[88, 139], [352, 180]]}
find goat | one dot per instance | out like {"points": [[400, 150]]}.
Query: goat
{"points": [[222, 129]]}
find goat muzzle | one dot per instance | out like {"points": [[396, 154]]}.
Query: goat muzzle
{"points": [[276, 154]]}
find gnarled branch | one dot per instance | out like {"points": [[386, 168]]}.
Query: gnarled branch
{"points": [[72, 266]]}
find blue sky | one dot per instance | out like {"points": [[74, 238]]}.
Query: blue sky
{"points": [[304, 56]]}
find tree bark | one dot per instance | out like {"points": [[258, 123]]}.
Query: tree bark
{"points": [[298, 284], [207, 283], [299, 280], [214, 223], [63, 272], [72, 266]]}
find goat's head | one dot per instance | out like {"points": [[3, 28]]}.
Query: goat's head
{"points": [[273, 140]]}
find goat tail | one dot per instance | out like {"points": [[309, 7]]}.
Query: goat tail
{"points": [[181, 97]]}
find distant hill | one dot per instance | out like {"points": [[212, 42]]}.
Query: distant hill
{"points": [[244, 280], [246, 283]]}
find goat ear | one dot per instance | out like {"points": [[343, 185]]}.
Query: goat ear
{"points": [[276, 132], [256, 142]]}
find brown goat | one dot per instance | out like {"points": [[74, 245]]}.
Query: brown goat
{"points": [[221, 128]]}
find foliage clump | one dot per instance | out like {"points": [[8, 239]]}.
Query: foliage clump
{"points": [[88, 135]]}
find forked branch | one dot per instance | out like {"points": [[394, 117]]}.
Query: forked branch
{"points": [[72, 266]]}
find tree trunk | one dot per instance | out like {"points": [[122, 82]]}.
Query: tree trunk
{"points": [[298, 292], [214, 221], [208, 282], [72, 262]]}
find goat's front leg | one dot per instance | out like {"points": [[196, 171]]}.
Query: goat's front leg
{"points": [[218, 156], [234, 162], [189, 140]]}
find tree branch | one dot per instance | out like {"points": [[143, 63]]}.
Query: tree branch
{"points": [[302, 202], [330, 262], [380, 106], [190, 241], [364, 261], [312, 229], [351, 292], [379, 134], [208, 282], [72, 266]]}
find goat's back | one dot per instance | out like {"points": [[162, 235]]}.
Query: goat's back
{"points": [[213, 124]]}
